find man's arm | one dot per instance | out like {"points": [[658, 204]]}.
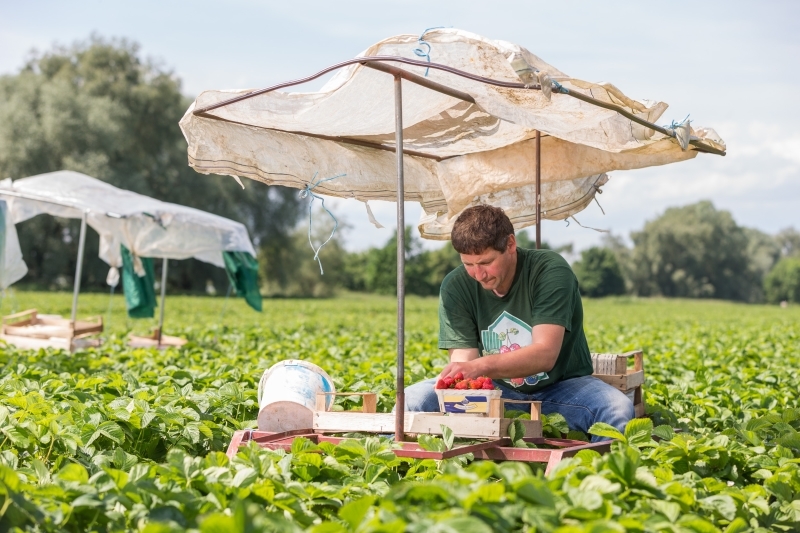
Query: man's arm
{"points": [[529, 360]]}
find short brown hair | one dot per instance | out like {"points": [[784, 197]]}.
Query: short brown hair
{"points": [[479, 228]]}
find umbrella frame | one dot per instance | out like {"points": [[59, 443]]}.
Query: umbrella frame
{"points": [[379, 63]]}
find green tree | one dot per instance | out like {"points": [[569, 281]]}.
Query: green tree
{"points": [[98, 108], [783, 282], [598, 273], [694, 251], [375, 270], [789, 242]]}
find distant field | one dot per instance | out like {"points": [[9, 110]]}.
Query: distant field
{"points": [[188, 314]]}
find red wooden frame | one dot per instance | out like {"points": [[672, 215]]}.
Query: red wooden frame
{"points": [[494, 450]]}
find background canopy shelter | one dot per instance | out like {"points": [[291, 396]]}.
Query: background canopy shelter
{"points": [[472, 143], [145, 226]]}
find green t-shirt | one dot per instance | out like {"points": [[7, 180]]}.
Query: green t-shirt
{"points": [[544, 291]]}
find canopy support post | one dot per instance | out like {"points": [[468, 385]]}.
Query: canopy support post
{"points": [[78, 270], [399, 422], [538, 190], [164, 266]]}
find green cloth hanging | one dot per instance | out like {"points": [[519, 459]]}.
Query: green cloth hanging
{"points": [[140, 296], [242, 269]]}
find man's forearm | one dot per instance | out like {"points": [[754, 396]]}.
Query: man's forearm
{"points": [[526, 361]]}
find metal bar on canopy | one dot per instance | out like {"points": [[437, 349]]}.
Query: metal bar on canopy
{"points": [[538, 190], [702, 147], [419, 80], [164, 266], [78, 270], [400, 404]]}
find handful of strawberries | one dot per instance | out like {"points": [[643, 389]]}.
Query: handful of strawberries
{"points": [[458, 382]]}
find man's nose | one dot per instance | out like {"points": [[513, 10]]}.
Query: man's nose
{"points": [[480, 274]]}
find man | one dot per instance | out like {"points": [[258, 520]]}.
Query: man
{"points": [[516, 316]]}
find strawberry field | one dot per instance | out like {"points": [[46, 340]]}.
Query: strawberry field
{"points": [[118, 439]]}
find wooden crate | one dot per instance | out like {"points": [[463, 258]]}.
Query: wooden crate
{"points": [[29, 329], [366, 420], [613, 369]]}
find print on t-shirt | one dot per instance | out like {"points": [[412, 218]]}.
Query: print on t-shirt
{"points": [[506, 334]]}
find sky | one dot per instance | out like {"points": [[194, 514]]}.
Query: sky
{"points": [[730, 65]]}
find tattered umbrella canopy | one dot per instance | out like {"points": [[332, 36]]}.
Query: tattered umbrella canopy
{"points": [[471, 146]]}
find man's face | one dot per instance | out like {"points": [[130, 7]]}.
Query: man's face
{"points": [[492, 269]]}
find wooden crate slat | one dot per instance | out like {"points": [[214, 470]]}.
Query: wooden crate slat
{"points": [[625, 381], [425, 423]]}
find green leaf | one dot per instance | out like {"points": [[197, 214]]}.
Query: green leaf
{"points": [[447, 436], [109, 429], [73, 472], [219, 523], [244, 477], [461, 524], [516, 430], [355, 511], [535, 491], [431, 443], [664, 432], [671, 510], [601, 429], [638, 431], [738, 525]]}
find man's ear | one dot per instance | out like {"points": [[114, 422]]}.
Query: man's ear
{"points": [[511, 245]]}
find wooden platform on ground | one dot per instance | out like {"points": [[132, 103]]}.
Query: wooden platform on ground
{"points": [[151, 341], [31, 330]]}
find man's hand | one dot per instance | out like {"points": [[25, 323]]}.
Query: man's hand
{"points": [[469, 369], [464, 360]]}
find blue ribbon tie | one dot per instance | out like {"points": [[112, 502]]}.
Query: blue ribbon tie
{"points": [[309, 191]]}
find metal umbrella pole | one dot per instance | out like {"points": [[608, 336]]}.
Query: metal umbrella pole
{"points": [[78, 269], [164, 266], [399, 422], [538, 189]]}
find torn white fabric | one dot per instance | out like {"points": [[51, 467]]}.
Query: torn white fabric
{"points": [[112, 278], [12, 267], [476, 150], [372, 218]]}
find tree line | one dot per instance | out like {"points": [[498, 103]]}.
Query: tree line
{"points": [[694, 251]]}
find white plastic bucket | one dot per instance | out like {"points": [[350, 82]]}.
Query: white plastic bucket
{"points": [[287, 395]]}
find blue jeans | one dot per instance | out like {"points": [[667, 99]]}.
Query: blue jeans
{"points": [[582, 401]]}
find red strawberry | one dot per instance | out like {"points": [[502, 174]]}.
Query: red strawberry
{"points": [[488, 385], [459, 376], [461, 385], [475, 384], [441, 384], [449, 382]]}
